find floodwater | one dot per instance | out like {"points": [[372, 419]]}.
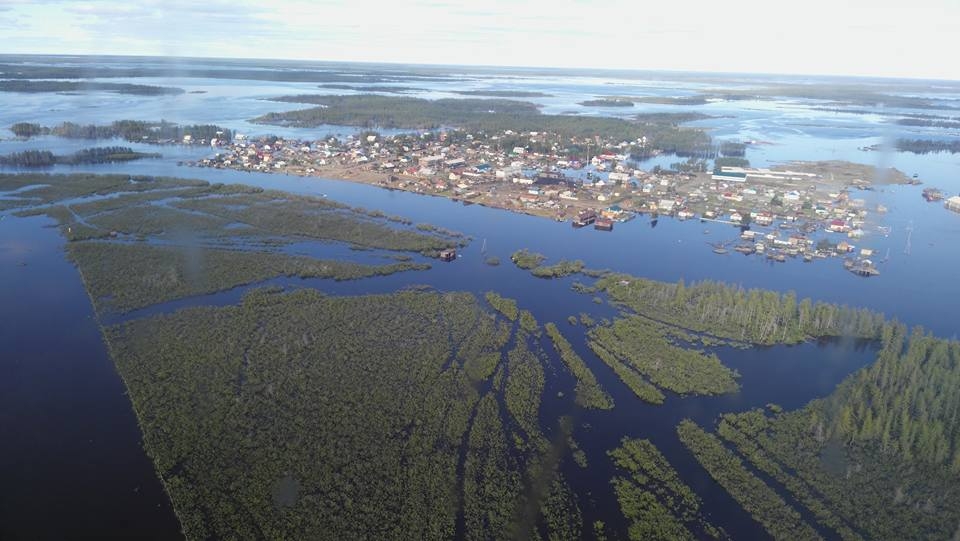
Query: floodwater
{"points": [[70, 449]]}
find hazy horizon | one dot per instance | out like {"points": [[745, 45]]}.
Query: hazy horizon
{"points": [[875, 39], [520, 69]]}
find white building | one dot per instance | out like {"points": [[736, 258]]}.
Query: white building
{"points": [[953, 203]]}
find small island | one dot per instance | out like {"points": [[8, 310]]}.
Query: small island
{"points": [[134, 131], [45, 158], [35, 86], [607, 102], [503, 93]]}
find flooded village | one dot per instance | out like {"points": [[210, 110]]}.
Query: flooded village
{"points": [[803, 210]]}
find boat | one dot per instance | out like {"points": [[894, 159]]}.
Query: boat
{"points": [[720, 251], [745, 249], [603, 224]]}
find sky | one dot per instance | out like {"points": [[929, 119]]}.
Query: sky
{"points": [[914, 39]]}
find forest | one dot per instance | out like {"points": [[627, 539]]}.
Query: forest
{"points": [[589, 392], [488, 115], [23, 70], [879, 458], [387, 89], [781, 521], [135, 131], [926, 146], [641, 346], [22, 85], [45, 158], [303, 428], [731, 312], [657, 504], [938, 122], [527, 260]]}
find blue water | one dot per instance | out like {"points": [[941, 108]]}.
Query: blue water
{"points": [[69, 442]]}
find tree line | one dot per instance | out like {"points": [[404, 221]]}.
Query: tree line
{"points": [[131, 130], [45, 158], [732, 312]]}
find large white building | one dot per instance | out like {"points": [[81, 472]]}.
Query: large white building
{"points": [[953, 203]]}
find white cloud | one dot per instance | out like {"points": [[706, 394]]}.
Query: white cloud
{"points": [[880, 37]]}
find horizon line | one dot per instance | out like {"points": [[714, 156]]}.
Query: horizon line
{"points": [[678, 71]]}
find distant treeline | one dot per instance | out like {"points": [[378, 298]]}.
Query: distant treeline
{"points": [[607, 102], [372, 88], [732, 312], [131, 130], [663, 100], [503, 93], [725, 161], [45, 158], [490, 115], [22, 85], [930, 123], [21, 71], [926, 146]]}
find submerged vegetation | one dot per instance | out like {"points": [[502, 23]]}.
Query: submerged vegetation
{"points": [[657, 504], [766, 506], [589, 392], [507, 307], [268, 419], [123, 277], [879, 458], [641, 346], [143, 241], [526, 259], [558, 270]]}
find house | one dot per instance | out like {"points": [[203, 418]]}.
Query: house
{"points": [[613, 212], [837, 226], [618, 177]]}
